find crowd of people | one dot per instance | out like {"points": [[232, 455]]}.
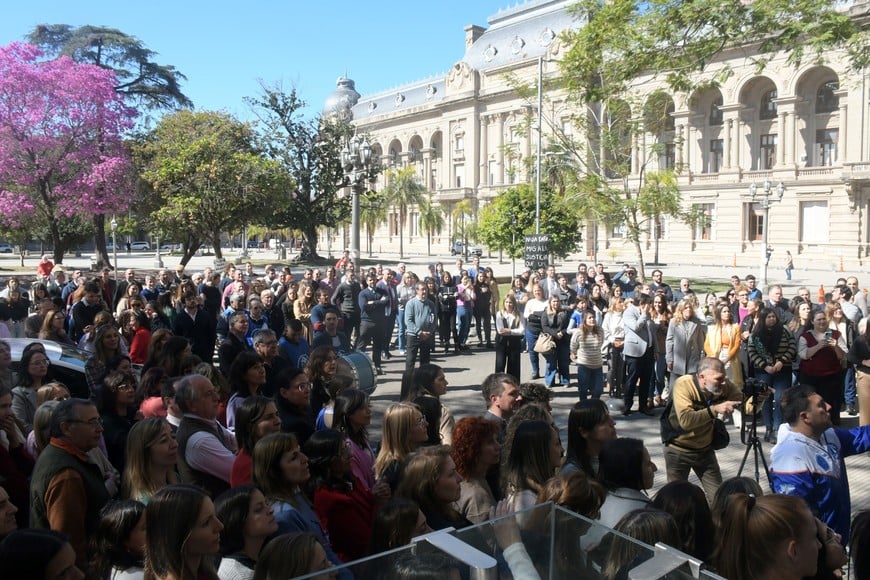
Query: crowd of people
{"points": [[218, 439]]}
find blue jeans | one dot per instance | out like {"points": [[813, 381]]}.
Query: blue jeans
{"points": [[531, 339], [850, 393], [591, 382], [463, 322], [401, 340], [772, 410], [558, 360]]}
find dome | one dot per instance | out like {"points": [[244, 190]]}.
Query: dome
{"points": [[342, 99]]}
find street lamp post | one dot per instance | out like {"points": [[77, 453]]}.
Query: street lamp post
{"points": [[540, 145], [114, 225], [356, 159], [766, 196], [158, 261]]}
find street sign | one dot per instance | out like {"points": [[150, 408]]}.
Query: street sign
{"points": [[537, 251]]}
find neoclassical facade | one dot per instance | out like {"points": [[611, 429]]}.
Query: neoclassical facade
{"points": [[467, 134]]}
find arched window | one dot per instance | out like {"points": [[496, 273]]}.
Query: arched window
{"points": [[394, 156], [767, 108], [826, 99], [716, 116]]}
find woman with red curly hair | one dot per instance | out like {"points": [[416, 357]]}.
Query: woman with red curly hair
{"points": [[475, 450]]}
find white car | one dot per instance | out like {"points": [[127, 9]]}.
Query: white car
{"points": [[6, 249], [140, 246]]}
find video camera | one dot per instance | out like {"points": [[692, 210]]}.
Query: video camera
{"points": [[753, 387]]}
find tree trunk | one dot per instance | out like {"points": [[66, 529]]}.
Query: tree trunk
{"points": [[187, 252], [56, 242], [309, 243], [639, 249], [216, 244], [102, 255], [429, 244]]}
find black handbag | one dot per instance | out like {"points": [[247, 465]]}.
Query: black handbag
{"points": [[721, 438]]}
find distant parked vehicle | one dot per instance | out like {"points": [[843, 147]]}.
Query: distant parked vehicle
{"points": [[140, 246], [6, 249], [458, 249]]}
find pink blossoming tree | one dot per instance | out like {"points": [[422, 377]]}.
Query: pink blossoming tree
{"points": [[61, 149]]}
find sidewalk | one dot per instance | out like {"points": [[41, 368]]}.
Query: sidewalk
{"points": [[145, 261]]}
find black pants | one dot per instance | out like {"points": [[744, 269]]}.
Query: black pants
{"points": [[446, 326], [508, 351], [638, 372], [389, 324], [370, 331], [483, 323], [413, 345], [351, 322]]}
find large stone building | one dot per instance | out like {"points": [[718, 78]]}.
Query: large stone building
{"points": [[467, 136]]}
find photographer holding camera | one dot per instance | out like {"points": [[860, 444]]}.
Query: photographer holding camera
{"points": [[697, 400]]}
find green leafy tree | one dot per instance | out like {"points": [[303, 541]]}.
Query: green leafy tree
{"points": [[675, 42], [204, 176], [431, 219], [310, 152], [504, 223], [404, 190], [145, 84]]}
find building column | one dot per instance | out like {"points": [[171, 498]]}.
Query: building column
{"points": [[484, 152], [500, 153], [427, 168], [843, 145], [786, 140], [635, 153], [679, 138], [729, 127]]}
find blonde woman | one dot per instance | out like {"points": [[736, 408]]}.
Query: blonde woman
{"points": [[302, 310], [152, 454], [684, 345], [404, 429], [723, 342]]}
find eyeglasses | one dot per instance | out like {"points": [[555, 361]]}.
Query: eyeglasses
{"points": [[421, 420], [126, 387], [94, 423], [302, 387], [43, 362]]}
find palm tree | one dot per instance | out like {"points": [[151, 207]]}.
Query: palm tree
{"points": [[431, 220], [373, 212], [404, 189]]}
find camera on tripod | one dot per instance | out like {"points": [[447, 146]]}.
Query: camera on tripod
{"points": [[753, 387]]}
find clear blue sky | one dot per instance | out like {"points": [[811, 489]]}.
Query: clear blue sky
{"points": [[224, 47]]}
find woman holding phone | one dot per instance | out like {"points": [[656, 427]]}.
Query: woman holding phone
{"points": [[822, 352]]}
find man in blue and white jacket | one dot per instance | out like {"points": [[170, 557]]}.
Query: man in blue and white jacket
{"points": [[808, 459]]}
